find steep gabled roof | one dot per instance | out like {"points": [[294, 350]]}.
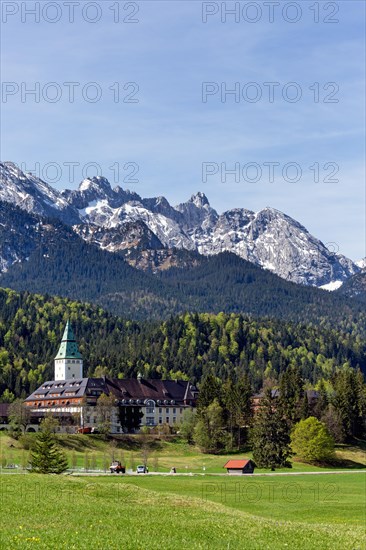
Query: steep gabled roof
{"points": [[162, 390], [127, 391], [68, 348], [76, 386], [237, 464]]}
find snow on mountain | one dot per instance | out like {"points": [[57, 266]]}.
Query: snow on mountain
{"points": [[334, 285], [361, 263], [130, 235], [268, 238], [98, 188], [276, 242], [197, 213], [166, 229], [118, 219], [33, 195]]}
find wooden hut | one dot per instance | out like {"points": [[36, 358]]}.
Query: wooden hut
{"points": [[239, 467]]}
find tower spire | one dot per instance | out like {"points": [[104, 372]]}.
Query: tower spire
{"points": [[68, 361]]}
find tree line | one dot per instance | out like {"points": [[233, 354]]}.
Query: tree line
{"points": [[280, 421], [188, 346], [52, 258]]}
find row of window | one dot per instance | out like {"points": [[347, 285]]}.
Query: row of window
{"points": [[49, 404], [150, 420], [151, 410]]}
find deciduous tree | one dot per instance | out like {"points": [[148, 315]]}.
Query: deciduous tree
{"points": [[311, 441]]}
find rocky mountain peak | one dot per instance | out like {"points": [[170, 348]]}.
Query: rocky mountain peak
{"points": [[268, 238], [97, 183], [33, 195], [199, 199], [361, 263]]}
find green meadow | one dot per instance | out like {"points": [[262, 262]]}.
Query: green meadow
{"points": [[203, 510], [150, 512], [92, 452]]}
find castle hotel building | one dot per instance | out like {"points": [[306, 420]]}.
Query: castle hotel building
{"points": [[72, 398]]}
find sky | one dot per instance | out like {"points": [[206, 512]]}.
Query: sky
{"points": [[140, 92]]}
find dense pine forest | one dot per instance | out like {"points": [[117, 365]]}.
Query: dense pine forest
{"points": [[51, 258], [188, 346]]}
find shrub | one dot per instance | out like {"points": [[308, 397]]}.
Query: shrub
{"points": [[311, 441], [27, 441]]}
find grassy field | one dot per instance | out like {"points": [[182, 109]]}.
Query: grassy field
{"points": [[304, 511], [92, 452], [174, 512]]}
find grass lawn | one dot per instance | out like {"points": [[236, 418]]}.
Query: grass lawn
{"points": [[174, 512], [93, 452]]}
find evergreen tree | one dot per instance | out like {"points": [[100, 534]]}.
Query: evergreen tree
{"points": [[291, 394], [238, 407], [47, 458], [304, 408], [210, 389], [322, 401], [349, 400], [270, 435], [210, 433], [130, 418]]}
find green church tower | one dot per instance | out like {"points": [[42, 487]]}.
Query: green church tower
{"points": [[68, 361]]}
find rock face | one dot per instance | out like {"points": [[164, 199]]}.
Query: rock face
{"points": [[34, 195], [121, 221]]}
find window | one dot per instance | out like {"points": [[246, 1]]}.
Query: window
{"points": [[174, 420], [181, 410], [149, 421], [160, 410], [150, 410], [167, 410], [167, 420], [174, 411], [160, 420]]}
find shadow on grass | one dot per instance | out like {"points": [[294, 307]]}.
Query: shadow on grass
{"points": [[346, 463], [84, 442], [339, 463]]}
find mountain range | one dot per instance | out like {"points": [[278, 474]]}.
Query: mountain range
{"points": [[153, 236]]}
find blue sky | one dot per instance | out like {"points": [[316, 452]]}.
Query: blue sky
{"points": [[171, 132]]}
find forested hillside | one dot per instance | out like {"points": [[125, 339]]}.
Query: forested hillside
{"points": [[355, 287], [188, 346], [48, 257]]}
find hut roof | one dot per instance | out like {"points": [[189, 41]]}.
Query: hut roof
{"points": [[237, 464]]}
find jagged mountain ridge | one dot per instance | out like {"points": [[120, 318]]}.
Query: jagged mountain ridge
{"points": [[47, 256], [34, 195], [120, 220]]}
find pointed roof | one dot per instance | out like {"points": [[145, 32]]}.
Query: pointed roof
{"points": [[68, 348], [236, 464]]}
